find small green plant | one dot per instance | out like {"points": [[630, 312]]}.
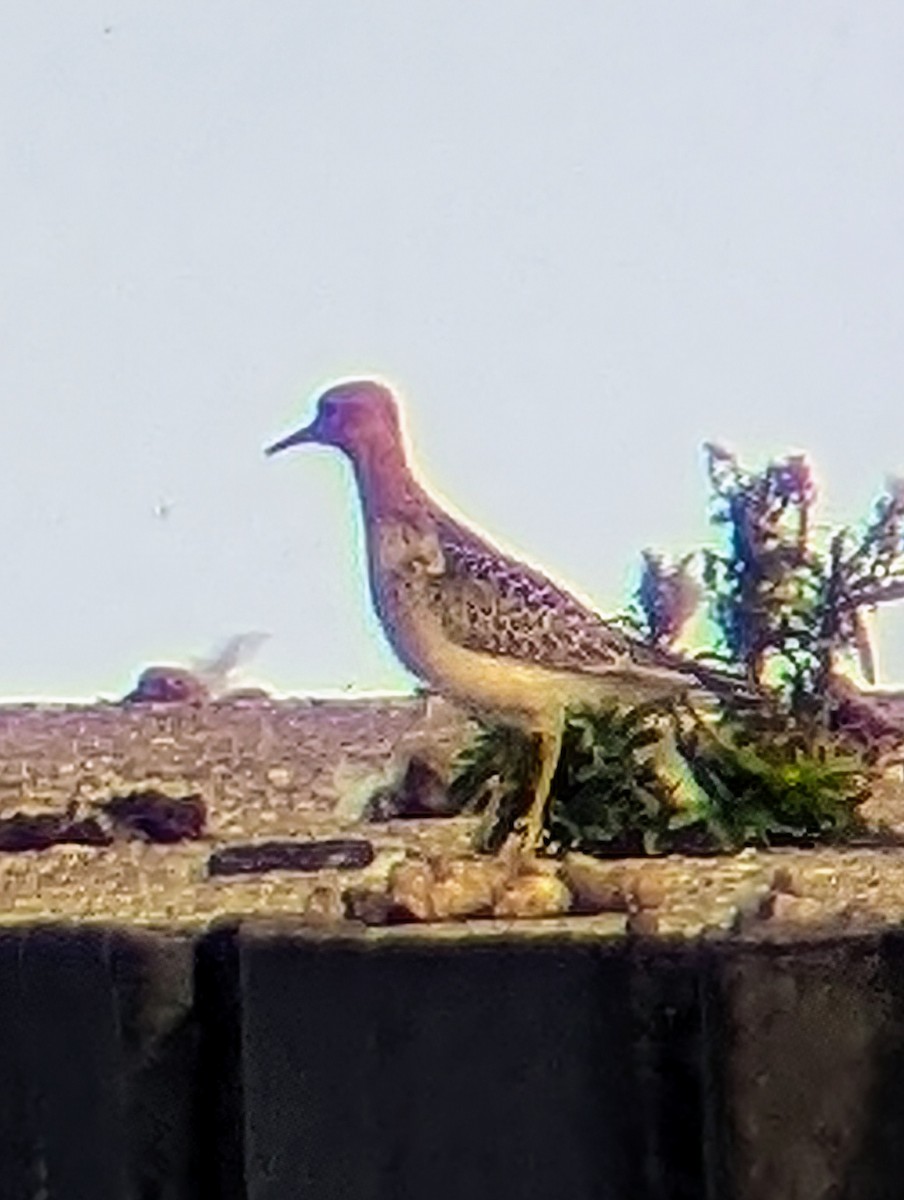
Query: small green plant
{"points": [[791, 757], [788, 604], [493, 776], [760, 782], [606, 796], [763, 781]]}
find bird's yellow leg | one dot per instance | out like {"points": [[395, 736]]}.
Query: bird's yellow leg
{"points": [[550, 747]]}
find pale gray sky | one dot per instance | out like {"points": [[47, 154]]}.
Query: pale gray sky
{"points": [[582, 238]]}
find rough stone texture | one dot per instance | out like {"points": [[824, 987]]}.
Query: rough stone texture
{"points": [[533, 896], [447, 888], [373, 906], [302, 769], [601, 886], [263, 772], [410, 883], [277, 756]]}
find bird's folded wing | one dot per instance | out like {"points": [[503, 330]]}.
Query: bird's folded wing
{"points": [[490, 603], [487, 601]]}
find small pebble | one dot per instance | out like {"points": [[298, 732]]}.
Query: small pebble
{"points": [[410, 886], [323, 906], [534, 896], [280, 777], [803, 910], [783, 881]]}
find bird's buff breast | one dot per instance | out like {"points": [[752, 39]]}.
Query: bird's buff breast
{"points": [[407, 606]]}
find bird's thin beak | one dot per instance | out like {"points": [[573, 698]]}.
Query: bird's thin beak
{"points": [[308, 434]]}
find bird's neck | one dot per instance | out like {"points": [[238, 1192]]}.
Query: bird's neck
{"points": [[385, 482]]}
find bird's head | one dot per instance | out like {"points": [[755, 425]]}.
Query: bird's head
{"points": [[355, 416]]}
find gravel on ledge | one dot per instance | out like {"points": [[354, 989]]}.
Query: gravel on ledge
{"points": [[272, 769]]}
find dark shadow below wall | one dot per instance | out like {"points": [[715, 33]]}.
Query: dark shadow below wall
{"points": [[267, 1061]]}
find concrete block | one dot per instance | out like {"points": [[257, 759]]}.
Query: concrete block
{"points": [[98, 1040], [399, 1069], [807, 1047]]}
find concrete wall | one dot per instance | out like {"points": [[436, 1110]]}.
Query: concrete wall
{"points": [[266, 1062]]}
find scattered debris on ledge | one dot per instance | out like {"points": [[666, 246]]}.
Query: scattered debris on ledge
{"points": [[114, 812]]}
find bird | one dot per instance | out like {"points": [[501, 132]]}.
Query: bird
{"points": [[474, 622]]}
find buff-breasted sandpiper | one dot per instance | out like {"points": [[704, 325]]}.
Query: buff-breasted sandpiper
{"points": [[471, 621]]}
